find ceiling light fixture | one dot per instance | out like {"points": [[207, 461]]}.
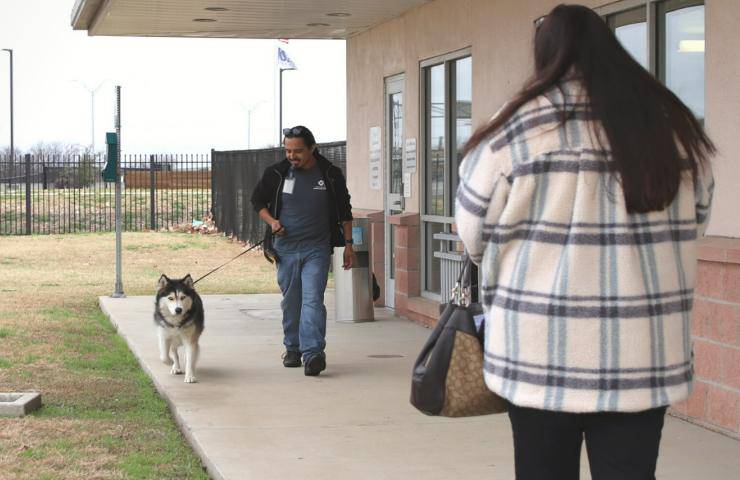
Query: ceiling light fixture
{"points": [[338, 14], [317, 24], [691, 46], [217, 9], [204, 19]]}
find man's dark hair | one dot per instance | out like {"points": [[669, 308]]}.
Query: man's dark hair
{"points": [[300, 131], [654, 138]]}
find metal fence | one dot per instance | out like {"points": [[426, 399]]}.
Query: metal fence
{"points": [[236, 173], [65, 194]]}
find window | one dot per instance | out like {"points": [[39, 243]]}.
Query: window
{"points": [[447, 125], [630, 27], [396, 153], [681, 51], [435, 140], [462, 115], [395, 180], [667, 38]]}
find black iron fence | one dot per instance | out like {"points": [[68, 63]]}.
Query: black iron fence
{"points": [[65, 194], [235, 174]]}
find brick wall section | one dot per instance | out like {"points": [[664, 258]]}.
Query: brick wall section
{"points": [[423, 310], [406, 261], [715, 401]]}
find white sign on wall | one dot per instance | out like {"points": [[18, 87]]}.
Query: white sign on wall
{"points": [[409, 161], [374, 154], [407, 185]]}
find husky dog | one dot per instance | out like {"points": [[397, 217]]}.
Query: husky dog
{"points": [[178, 314]]}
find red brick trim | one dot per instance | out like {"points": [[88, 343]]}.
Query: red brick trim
{"points": [[719, 249], [408, 219], [715, 329]]}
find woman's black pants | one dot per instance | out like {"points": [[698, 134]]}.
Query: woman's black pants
{"points": [[620, 446]]}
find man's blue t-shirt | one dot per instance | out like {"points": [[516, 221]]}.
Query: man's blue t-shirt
{"points": [[305, 212]]}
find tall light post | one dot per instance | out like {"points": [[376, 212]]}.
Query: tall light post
{"points": [[249, 111], [12, 143], [92, 92]]}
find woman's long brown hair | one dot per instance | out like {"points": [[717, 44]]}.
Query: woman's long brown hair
{"points": [[653, 137]]}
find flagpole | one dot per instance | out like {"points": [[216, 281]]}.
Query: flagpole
{"points": [[274, 92], [280, 109], [284, 63]]}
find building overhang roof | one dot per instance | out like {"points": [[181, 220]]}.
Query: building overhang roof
{"points": [[317, 19]]}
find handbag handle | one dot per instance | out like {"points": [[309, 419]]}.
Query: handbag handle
{"points": [[461, 292]]}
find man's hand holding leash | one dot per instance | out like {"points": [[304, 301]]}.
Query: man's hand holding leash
{"points": [[275, 225], [277, 229]]}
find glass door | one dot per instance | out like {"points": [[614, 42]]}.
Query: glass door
{"points": [[393, 168], [447, 95]]}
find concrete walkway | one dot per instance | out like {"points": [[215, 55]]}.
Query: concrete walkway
{"points": [[250, 418]]}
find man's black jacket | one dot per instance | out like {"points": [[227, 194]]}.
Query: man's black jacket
{"points": [[267, 194]]}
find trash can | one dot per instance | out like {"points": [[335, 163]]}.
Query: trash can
{"points": [[353, 288]]}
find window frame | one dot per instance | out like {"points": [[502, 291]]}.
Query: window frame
{"points": [[655, 10], [447, 220], [651, 12], [662, 9]]}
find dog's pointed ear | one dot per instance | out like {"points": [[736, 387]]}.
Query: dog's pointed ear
{"points": [[162, 282], [188, 281]]}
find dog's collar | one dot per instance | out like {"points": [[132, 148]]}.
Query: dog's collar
{"points": [[188, 320]]}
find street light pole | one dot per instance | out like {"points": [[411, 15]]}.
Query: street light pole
{"points": [[92, 92], [249, 129], [12, 144], [118, 293], [249, 111], [92, 122]]}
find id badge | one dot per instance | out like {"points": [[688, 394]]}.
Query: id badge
{"points": [[288, 185]]}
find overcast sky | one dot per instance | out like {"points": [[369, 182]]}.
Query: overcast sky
{"points": [[178, 94]]}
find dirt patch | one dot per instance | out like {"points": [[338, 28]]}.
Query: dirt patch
{"points": [[61, 448]]}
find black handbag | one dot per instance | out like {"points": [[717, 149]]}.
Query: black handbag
{"points": [[447, 379]]}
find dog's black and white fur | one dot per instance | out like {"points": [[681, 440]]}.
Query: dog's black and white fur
{"points": [[178, 314]]}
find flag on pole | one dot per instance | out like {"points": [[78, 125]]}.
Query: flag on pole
{"points": [[284, 61]]}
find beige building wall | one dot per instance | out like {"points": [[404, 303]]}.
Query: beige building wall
{"points": [[723, 112], [499, 33]]}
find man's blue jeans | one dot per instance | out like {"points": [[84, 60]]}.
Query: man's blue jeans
{"points": [[302, 278]]}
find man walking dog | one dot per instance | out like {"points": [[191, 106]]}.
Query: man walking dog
{"points": [[305, 202]]}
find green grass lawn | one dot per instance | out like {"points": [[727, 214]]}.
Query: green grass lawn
{"points": [[102, 417]]}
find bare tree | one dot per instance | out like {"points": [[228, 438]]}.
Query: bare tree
{"points": [[9, 165], [53, 151], [5, 151]]}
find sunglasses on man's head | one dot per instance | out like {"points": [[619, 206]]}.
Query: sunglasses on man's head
{"points": [[292, 131], [539, 21]]}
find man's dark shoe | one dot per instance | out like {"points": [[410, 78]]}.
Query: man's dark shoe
{"points": [[315, 365], [292, 359]]}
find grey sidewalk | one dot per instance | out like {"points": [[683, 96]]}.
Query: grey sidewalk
{"points": [[250, 418]]}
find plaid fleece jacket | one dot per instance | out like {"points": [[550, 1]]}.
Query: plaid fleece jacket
{"points": [[587, 306]]}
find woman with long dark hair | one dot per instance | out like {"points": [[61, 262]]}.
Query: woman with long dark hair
{"points": [[582, 201]]}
